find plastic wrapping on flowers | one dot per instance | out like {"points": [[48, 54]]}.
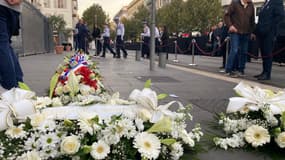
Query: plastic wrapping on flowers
{"points": [[152, 132]]}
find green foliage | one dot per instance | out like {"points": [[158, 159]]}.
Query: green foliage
{"points": [[53, 82], [57, 23], [24, 86], [147, 84], [95, 14], [134, 26]]}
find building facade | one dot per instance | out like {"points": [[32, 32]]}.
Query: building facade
{"points": [[66, 8]]}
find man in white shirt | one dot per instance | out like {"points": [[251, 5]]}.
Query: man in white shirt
{"points": [[106, 43], [10, 69], [120, 32], [146, 41]]}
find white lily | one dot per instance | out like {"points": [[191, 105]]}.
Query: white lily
{"points": [[16, 102], [253, 98], [147, 98]]}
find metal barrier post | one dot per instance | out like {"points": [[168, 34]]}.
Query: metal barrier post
{"points": [[138, 52], [193, 53], [227, 49], [175, 51]]}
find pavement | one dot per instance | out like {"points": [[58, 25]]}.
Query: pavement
{"points": [[202, 85]]}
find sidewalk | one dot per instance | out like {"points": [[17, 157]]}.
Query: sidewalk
{"points": [[208, 95]]}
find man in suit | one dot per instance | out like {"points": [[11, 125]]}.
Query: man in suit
{"points": [[97, 35], [10, 69], [271, 13]]}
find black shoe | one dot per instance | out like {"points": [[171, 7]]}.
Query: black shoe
{"points": [[263, 77], [257, 76], [103, 56], [125, 56]]}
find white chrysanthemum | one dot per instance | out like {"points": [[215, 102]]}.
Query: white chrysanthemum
{"points": [[32, 155], [49, 140], [126, 128], [37, 119], [280, 140], [16, 132], [148, 145], [86, 126], [47, 125], [257, 135], [31, 143], [70, 145], [176, 151], [56, 102], [42, 102], [100, 150]]}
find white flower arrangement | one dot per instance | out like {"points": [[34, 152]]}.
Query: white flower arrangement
{"points": [[255, 119], [146, 131]]}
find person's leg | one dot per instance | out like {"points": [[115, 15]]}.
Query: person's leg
{"points": [[267, 48], [233, 52], [243, 41], [18, 69], [104, 49], [118, 40], [7, 69]]}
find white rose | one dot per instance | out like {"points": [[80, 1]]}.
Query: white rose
{"points": [[70, 145], [280, 140], [37, 119], [56, 102]]}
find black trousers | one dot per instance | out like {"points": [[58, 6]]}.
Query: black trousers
{"points": [[266, 44], [106, 44], [145, 47], [120, 46]]}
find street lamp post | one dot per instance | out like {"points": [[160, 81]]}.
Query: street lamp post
{"points": [[152, 38]]}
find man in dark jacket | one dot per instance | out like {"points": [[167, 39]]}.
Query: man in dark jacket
{"points": [[239, 18], [10, 69], [270, 15], [97, 35]]}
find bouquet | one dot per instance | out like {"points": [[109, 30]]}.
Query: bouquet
{"points": [[255, 120]]}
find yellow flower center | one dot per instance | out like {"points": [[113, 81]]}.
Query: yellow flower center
{"points": [[17, 130], [257, 136], [283, 139], [119, 129], [70, 146], [100, 149], [147, 145]]}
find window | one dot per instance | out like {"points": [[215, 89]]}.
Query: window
{"points": [[47, 3], [60, 3]]}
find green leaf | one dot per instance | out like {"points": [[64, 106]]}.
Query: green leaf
{"points": [[23, 86], [52, 85], [162, 96], [164, 125], [147, 84], [168, 142], [283, 120], [276, 131]]}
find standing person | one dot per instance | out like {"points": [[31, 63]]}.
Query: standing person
{"points": [[82, 35], [96, 36], [146, 41], [10, 69], [157, 40], [120, 32], [223, 33], [164, 40], [270, 15], [75, 38], [239, 17], [106, 43]]}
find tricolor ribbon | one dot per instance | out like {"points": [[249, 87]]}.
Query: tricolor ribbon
{"points": [[15, 103], [147, 98], [254, 98]]}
